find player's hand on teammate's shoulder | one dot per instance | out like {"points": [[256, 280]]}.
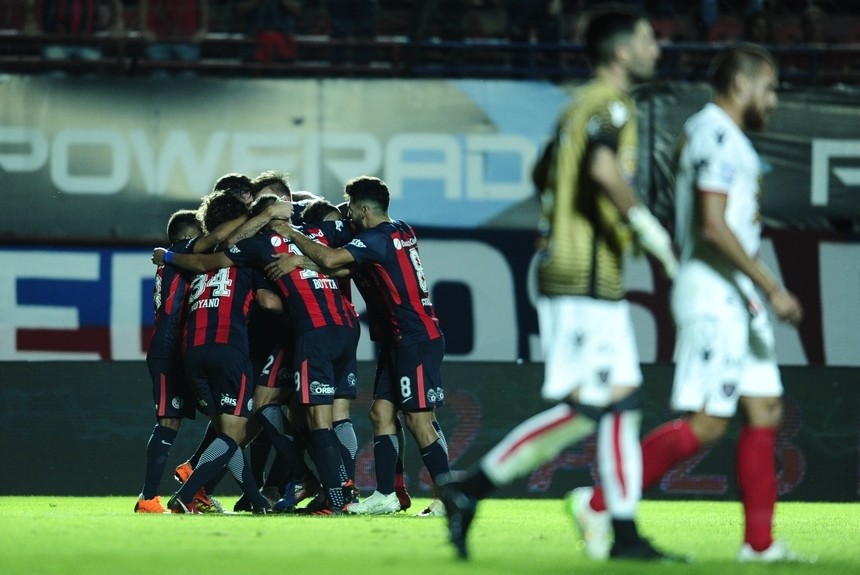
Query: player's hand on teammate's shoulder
{"points": [[283, 264], [280, 211]]}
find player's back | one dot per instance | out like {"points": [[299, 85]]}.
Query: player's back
{"points": [[392, 281]]}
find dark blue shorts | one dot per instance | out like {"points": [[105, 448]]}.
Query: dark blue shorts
{"points": [[222, 379], [170, 390], [324, 365], [274, 372], [410, 376]]}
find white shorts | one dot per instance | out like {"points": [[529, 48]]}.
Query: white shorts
{"points": [[588, 345], [725, 349]]}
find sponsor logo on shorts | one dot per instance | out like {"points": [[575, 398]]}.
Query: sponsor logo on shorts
{"points": [[227, 400], [202, 403], [350, 380], [177, 403], [251, 404], [435, 395], [319, 388]]}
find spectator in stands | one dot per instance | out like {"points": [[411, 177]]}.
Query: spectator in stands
{"points": [[355, 20], [814, 25], [72, 18], [534, 20], [444, 19], [758, 28], [272, 24], [173, 30]]}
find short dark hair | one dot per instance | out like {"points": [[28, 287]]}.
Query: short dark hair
{"points": [[272, 178], [183, 224], [219, 207], [316, 211], [607, 27], [740, 58], [231, 180], [368, 190]]}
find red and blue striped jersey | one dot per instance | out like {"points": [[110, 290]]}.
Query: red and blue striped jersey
{"points": [[391, 280], [168, 298], [219, 304], [313, 299]]}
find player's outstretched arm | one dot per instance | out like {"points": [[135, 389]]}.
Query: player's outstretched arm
{"points": [[198, 263]]}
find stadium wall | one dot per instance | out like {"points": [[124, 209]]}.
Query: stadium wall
{"points": [[80, 428]]}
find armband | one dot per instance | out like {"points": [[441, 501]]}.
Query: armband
{"points": [[168, 256]]}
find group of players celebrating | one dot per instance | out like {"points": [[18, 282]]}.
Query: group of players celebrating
{"points": [[255, 328]]}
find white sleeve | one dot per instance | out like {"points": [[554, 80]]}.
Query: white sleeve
{"points": [[718, 163]]}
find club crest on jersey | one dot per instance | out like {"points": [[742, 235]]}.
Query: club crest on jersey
{"points": [[726, 172], [618, 114], [729, 388]]}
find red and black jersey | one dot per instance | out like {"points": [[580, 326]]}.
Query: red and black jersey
{"points": [[168, 297], [313, 299], [219, 304], [391, 280], [333, 233]]}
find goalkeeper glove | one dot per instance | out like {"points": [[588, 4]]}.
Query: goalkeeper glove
{"points": [[653, 238]]}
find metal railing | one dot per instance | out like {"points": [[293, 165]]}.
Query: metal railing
{"points": [[398, 57]]}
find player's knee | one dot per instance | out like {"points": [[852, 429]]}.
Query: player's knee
{"points": [[762, 411], [708, 429]]}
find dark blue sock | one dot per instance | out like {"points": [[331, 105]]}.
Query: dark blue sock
{"points": [[345, 432], [385, 457], [258, 456], [401, 445], [241, 472], [212, 462], [435, 459], [327, 451], [211, 434], [157, 450], [275, 426]]}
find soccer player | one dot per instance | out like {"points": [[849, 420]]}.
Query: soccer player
{"points": [[174, 399], [217, 363], [724, 354], [592, 368], [388, 273]]}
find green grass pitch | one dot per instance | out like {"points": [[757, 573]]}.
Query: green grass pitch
{"points": [[101, 535]]}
